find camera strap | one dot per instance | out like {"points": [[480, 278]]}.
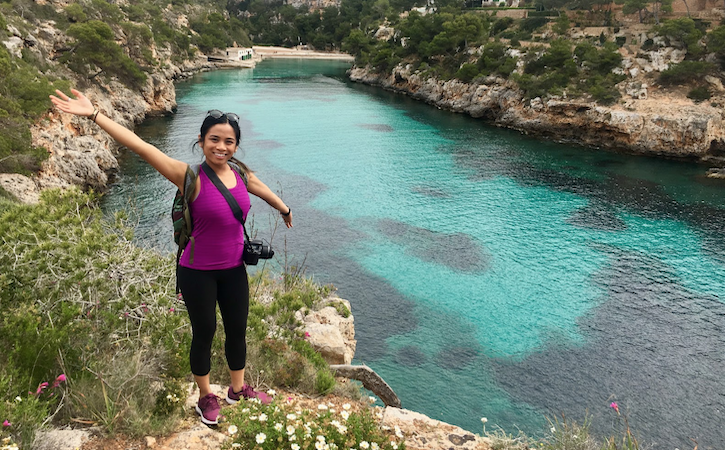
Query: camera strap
{"points": [[236, 210]]}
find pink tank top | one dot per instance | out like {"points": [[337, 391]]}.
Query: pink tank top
{"points": [[218, 235]]}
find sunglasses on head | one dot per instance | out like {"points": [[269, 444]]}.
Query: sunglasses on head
{"points": [[216, 114]]}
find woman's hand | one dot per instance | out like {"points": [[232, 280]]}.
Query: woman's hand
{"points": [[287, 219], [80, 105]]}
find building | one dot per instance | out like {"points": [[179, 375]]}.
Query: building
{"points": [[239, 53]]}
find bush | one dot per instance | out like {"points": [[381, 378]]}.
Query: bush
{"points": [[467, 72], [699, 94], [685, 71]]}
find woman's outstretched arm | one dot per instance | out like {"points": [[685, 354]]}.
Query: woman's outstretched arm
{"points": [[256, 187], [170, 168]]}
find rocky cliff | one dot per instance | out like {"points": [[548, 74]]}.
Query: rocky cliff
{"points": [[646, 122]]}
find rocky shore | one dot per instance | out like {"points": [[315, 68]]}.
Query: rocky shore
{"points": [[647, 120]]}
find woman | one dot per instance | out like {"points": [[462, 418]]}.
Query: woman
{"points": [[217, 274]]}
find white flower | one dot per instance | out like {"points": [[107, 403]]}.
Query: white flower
{"points": [[278, 426], [295, 447], [394, 445], [322, 407], [272, 392], [262, 417], [261, 437], [320, 438], [345, 415], [292, 438], [374, 446], [364, 445], [290, 430], [232, 429], [372, 399], [252, 417], [346, 406], [236, 445], [245, 410], [332, 411], [553, 430], [319, 445], [484, 420], [398, 433], [342, 429], [18, 399], [291, 417]]}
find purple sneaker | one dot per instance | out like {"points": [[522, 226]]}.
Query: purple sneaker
{"points": [[246, 392], [208, 408]]}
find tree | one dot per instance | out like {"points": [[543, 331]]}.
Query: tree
{"points": [[632, 6], [95, 46]]}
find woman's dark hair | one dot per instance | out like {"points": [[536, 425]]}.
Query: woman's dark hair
{"points": [[210, 121]]}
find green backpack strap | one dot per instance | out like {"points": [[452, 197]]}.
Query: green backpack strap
{"points": [[240, 168], [186, 240]]}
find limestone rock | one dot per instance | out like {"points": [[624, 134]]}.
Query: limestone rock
{"points": [[424, 433], [60, 439], [331, 334], [14, 45], [22, 187]]}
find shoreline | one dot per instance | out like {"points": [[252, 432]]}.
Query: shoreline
{"points": [[295, 53]]}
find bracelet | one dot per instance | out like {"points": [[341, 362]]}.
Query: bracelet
{"points": [[289, 211], [94, 115]]}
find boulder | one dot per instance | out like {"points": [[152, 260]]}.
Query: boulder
{"points": [[61, 439], [331, 334], [22, 187], [423, 433]]}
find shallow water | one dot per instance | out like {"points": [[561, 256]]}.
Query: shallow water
{"points": [[490, 275]]}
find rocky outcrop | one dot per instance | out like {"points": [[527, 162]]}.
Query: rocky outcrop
{"points": [[330, 332], [657, 126], [423, 433]]}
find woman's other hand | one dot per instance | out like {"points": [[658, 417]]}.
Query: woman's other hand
{"points": [[287, 219], [80, 105]]}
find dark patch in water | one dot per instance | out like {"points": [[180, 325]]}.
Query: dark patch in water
{"points": [[597, 217], [456, 358], [430, 192], [664, 367], [411, 356], [383, 128], [265, 144], [457, 251]]}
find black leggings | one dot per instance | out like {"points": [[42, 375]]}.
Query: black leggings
{"points": [[202, 289]]}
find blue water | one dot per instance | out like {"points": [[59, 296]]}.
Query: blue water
{"points": [[490, 274]]}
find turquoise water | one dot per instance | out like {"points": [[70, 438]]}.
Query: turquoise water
{"points": [[490, 275]]}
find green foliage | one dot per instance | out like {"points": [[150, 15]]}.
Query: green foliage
{"points": [[494, 60], [467, 72], [500, 25], [215, 32], [557, 58], [561, 25], [531, 24], [95, 48], [23, 98], [699, 94], [75, 13], [283, 423], [634, 6], [685, 72], [683, 32]]}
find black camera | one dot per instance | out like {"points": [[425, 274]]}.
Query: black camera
{"points": [[256, 249]]}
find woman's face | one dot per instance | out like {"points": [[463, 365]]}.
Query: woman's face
{"points": [[219, 144]]}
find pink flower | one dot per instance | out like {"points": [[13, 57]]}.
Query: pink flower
{"points": [[171, 309], [614, 406], [41, 387], [307, 334], [61, 378], [6, 423]]}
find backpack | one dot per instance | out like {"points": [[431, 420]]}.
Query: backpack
{"points": [[180, 213]]}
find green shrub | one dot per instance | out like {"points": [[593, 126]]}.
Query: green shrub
{"points": [[467, 72], [75, 13], [683, 31], [699, 94], [686, 71]]}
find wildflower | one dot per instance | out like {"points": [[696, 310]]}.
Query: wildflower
{"points": [[236, 445], [319, 445], [172, 310], [345, 415], [484, 420], [398, 432], [322, 407], [295, 447], [18, 399], [292, 438], [346, 407], [290, 430], [321, 438], [245, 410], [272, 392], [6, 423], [260, 438], [553, 429], [252, 417], [307, 334], [342, 429], [262, 417], [289, 399], [614, 406], [40, 389], [278, 426], [291, 416], [372, 399], [374, 446], [394, 445], [232, 429], [364, 445]]}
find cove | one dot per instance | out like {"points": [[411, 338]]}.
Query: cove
{"points": [[490, 274]]}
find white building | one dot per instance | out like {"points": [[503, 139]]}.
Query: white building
{"points": [[239, 53]]}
